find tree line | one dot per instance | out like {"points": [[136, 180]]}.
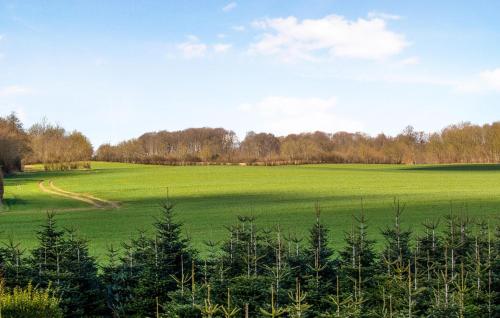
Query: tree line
{"points": [[59, 149], [461, 143], [451, 269], [45, 143]]}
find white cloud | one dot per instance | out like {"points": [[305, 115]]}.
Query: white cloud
{"points": [[229, 7], [239, 28], [284, 115], [331, 36], [14, 90], [383, 15], [221, 47], [488, 80], [410, 61], [491, 78], [221, 35], [192, 48]]}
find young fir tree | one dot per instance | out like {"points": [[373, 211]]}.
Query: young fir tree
{"points": [[132, 278], [494, 275], [247, 249], [297, 257], [320, 270], [155, 264], [279, 270], [14, 268], [229, 310], [429, 251], [397, 241], [63, 261], [273, 310], [244, 266], [426, 261], [399, 272], [173, 256], [84, 270], [476, 267], [113, 278], [298, 307], [188, 298], [210, 264], [358, 269]]}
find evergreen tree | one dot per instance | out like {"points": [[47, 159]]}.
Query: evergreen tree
{"points": [[152, 266], [397, 240], [321, 267], [14, 268], [170, 251], [138, 282], [113, 276], [62, 260], [82, 267], [259, 272], [358, 268], [494, 276]]}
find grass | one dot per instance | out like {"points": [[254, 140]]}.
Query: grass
{"points": [[209, 197]]}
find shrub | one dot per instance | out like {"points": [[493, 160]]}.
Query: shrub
{"points": [[28, 302]]}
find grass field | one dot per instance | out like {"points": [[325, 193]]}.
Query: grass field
{"points": [[208, 197]]}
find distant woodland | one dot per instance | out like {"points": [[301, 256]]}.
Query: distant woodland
{"points": [[59, 149], [462, 143], [51, 145]]}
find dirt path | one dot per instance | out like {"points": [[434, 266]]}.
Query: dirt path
{"points": [[87, 198]]}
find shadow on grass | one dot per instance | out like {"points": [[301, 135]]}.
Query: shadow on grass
{"points": [[10, 202], [22, 178], [205, 217], [456, 167]]}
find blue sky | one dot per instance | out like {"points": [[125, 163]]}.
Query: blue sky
{"points": [[116, 69]]}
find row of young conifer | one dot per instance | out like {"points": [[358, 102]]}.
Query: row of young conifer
{"points": [[451, 269]]}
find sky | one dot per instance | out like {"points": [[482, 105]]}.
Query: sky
{"points": [[117, 69]]}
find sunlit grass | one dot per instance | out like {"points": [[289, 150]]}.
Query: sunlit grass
{"points": [[209, 197]]}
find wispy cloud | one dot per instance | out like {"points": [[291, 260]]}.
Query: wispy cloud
{"points": [[413, 60], [229, 7], [239, 28], [192, 48], [26, 24], [383, 15], [331, 36], [283, 115], [485, 81], [221, 47], [14, 90]]}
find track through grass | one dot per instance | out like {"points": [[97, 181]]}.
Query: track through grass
{"points": [[209, 197], [87, 198]]}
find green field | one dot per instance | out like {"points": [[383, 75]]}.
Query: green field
{"points": [[208, 197]]}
